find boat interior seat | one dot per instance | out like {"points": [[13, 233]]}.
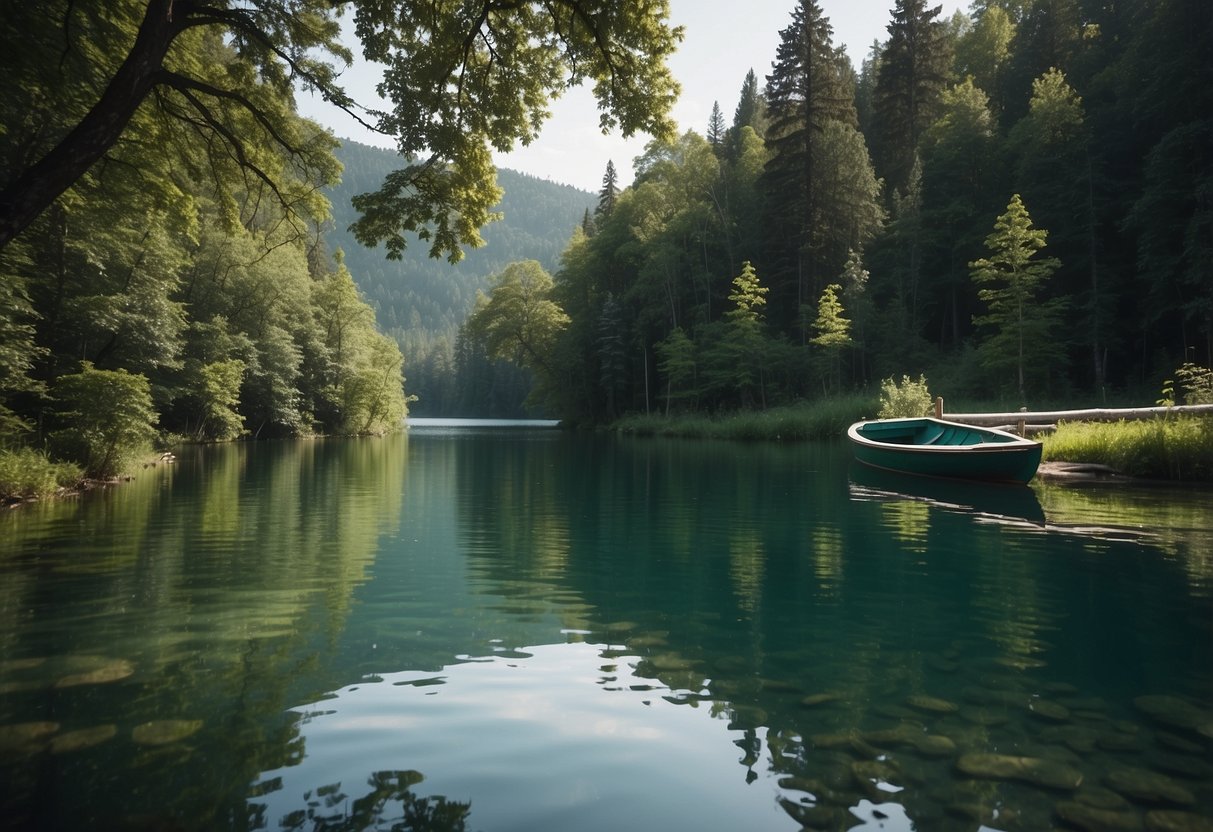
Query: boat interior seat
{"points": [[933, 434]]}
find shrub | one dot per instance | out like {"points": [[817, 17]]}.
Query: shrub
{"points": [[905, 398], [28, 473], [108, 420], [1196, 382]]}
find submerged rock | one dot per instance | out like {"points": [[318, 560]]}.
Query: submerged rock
{"points": [[1098, 820], [112, 671], [1100, 798], [818, 699], [23, 736], [1040, 772], [1074, 737], [1176, 712], [1149, 786], [83, 738], [932, 745], [165, 731], [1185, 765], [1173, 820], [1048, 711], [932, 704]]}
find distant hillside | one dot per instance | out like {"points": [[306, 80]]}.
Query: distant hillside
{"points": [[420, 300]]}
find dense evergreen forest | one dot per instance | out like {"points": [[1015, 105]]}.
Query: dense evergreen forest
{"points": [[1017, 201], [422, 301]]}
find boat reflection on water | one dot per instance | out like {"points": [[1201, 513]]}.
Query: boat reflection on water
{"points": [[1002, 502]]}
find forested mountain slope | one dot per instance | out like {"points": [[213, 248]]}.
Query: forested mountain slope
{"points": [[419, 299]]}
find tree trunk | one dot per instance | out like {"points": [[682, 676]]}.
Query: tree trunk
{"points": [[39, 185]]}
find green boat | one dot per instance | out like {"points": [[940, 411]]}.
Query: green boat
{"points": [[938, 448]]}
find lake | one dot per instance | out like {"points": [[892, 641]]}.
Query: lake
{"points": [[494, 628]]}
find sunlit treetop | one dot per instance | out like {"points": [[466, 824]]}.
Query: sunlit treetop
{"points": [[460, 77]]}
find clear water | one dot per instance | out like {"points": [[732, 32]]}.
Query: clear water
{"points": [[527, 630]]}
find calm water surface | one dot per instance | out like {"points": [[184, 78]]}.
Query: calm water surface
{"points": [[526, 630]]}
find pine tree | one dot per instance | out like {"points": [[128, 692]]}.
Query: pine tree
{"points": [[747, 114], [805, 90], [609, 193], [1022, 326], [913, 73], [716, 129]]}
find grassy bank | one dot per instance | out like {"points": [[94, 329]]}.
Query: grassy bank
{"points": [[1174, 448], [25, 474], [822, 419]]}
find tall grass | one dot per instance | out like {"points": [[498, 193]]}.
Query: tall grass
{"points": [[1174, 447], [27, 473], [821, 419]]}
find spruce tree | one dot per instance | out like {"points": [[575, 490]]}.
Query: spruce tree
{"points": [[805, 90], [914, 71], [747, 114], [609, 193], [716, 129]]}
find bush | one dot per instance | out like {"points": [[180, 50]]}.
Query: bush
{"points": [[1196, 382], [905, 398], [108, 420], [27, 473]]}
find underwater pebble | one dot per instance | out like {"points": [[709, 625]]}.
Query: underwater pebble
{"points": [[22, 735], [164, 731], [111, 671], [1176, 712], [1034, 770], [1098, 820], [817, 699], [1049, 711], [932, 704], [1185, 765], [1101, 798], [1173, 820], [83, 738], [1149, 786], [1074, 737]]}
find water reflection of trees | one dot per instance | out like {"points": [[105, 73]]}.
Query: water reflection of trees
{"points": [[725, 570], [389, 805], [222, 583]]}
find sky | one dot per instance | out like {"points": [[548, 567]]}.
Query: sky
{"points": [[724, 39]]}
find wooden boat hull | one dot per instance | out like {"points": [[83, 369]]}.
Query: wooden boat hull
{"points": [[938, 448]]}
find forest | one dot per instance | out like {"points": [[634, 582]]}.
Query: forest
{"points": [[165, 273], [1017, 202], [422, 302]]}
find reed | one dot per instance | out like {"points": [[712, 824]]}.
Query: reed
{"points": [[1172, 448]]}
